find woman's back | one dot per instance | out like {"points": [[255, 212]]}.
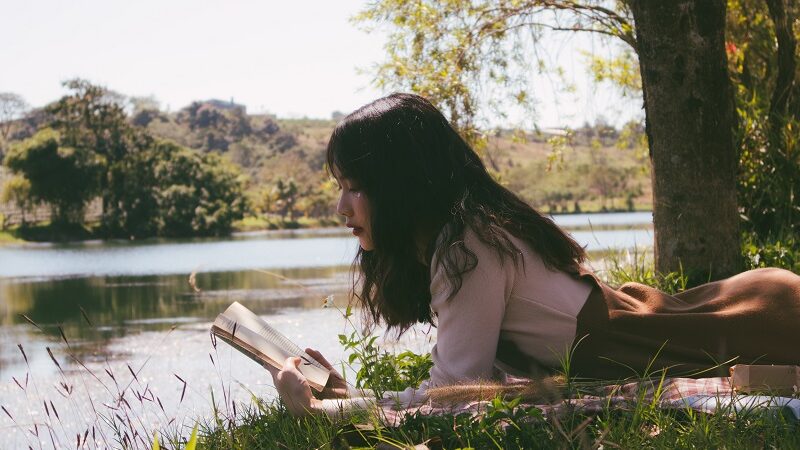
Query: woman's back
{"points": [[521, 313]]}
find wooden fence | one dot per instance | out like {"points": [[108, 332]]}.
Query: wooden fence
{"points": [[13, 215]]}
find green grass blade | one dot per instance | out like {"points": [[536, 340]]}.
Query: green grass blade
{"points": [[192, 440]]}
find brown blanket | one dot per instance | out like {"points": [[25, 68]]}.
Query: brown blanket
{"points": [[753, 317]]}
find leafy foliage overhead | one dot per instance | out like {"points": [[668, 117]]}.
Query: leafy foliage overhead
{"points": [[465, 56]]}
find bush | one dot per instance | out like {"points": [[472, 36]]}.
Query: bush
{"points": [[773, 251], [173, 191], [48, 171]]}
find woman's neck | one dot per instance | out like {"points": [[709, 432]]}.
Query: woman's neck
{"points": [[426, 243]]}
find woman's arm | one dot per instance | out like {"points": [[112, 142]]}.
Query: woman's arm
{"points": [[336, 399], [296, 394]]}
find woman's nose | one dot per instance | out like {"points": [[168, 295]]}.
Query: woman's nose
{"points": [[343, 207]]}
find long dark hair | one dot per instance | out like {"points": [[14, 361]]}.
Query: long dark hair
{"points": [[423, 181]]}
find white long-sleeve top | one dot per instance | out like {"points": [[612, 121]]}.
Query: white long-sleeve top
{"points": [[527, 305]]}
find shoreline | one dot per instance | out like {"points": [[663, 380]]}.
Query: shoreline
{"points": [[320, 227]]}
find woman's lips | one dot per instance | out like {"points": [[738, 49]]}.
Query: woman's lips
{"points": [[357, 231]]}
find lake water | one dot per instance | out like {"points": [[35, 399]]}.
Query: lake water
{"points": [[127, 308]]}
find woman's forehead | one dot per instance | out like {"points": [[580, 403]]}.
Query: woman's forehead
{"points": [[337, 173]]}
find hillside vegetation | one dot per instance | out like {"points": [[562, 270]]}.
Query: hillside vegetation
{"points": [[588, 169], [276, 165]]}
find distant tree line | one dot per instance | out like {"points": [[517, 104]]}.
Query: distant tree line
{"points": [[280, 165], [195, 171], [84, 146]]}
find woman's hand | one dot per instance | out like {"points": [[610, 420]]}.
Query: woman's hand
{"points": [[294, 389], [336, 386]]}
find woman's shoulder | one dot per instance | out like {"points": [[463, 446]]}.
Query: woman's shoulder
{"points": [[461, 242], [468, 258]]}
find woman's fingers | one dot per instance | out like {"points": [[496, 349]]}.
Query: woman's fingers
{"points": [[321, 359], [272, 370], [293, 388], [289, 380], [290, 366], [336, 386]]}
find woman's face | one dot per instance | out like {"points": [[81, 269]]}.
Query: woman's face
{"points": [[354, 206]]}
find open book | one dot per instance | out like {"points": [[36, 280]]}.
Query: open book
{"points": [[251, 335]]}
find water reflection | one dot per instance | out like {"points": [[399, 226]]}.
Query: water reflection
{"points": [[119, 306], [173, 257]]}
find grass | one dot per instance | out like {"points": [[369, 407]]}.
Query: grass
{"points": [[596, 206], [779, 250], [637, 266], [275, 222], [9, 237], [507, 423], [45, 231]]}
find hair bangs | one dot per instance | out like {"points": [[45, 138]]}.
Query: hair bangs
{"points": [[349, 151]]}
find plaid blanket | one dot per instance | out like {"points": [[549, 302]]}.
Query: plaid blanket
{"points": [[705, 394]]}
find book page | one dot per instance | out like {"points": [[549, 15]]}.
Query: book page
{"points": [[245, 326]]}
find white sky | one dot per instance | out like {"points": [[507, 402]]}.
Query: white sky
{"points": [[290, 58]]}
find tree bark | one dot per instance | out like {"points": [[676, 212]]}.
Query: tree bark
{"points": [[689, 122]]}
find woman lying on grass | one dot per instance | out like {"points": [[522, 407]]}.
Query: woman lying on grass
{"points": [[444, 243]]}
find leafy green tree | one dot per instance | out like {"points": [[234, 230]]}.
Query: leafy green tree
{"points": [[62, 176], [17, 191], [147, 188], [287, 198], [174, 191], [462, 54], [763, 60], [456, 53], [92, 120], [319, 200]]}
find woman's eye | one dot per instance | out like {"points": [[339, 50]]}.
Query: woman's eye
{"points": [[350, 186]]}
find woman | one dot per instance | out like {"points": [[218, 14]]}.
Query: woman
{"points": [[442, 242]]}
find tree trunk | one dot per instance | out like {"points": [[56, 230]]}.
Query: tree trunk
{"points": [[690, 119]]}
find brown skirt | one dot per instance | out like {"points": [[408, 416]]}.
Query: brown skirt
{"points": [[751, 318]]}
